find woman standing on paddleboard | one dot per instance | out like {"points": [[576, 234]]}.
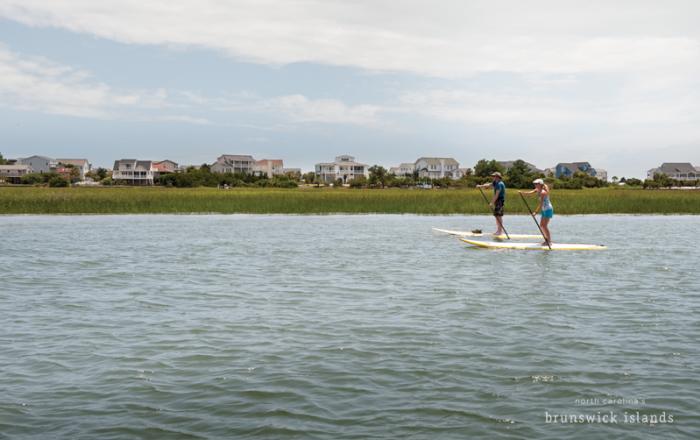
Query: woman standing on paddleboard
{"points": [[544, 206]]}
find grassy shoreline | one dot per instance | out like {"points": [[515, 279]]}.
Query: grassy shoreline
{"points": [[157, 200]]}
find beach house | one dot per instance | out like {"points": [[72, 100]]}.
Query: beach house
{"points": [[676, 170], [82, 165], [234, 163], [403, 170], [438, 167], [568, 169], [269, 167], [13, 173], [344, 167], [165, 166], [38, 164], [133, 171]]}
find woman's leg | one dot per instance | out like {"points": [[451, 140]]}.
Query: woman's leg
{"points": [[544, 224]]}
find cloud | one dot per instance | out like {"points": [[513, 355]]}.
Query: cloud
{"points": [[448, 38], [38, 84]]}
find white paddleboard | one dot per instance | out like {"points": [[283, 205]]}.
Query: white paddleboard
{"points": [[534, 246], [475, 234]]}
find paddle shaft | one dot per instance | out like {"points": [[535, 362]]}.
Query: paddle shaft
{"points": [[493, 211], [546, 240]]}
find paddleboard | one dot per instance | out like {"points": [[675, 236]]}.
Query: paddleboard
{"points": [[475, 234], [534, 246]]}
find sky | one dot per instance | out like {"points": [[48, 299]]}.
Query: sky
{"points": [[616, 84]]}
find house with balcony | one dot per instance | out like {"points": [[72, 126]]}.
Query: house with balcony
{"points": [[269, 167], [13, 173], [344, 168], [438, 167], [133, 171], [676, 170], [82, 165], [234, 163], [568, 169]]}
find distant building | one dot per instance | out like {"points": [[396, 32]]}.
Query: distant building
{"points": [[165, 166], [437, 167], [234, 163], [508, 164], [602, 174], [568, 169], [38, 164], [676, 170], [82, 165], [403, 170], [269, 167], [344, 168], [133, 171], [13, 173]]}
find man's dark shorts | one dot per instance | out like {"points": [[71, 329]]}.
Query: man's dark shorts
{"points": [[498, 208]]}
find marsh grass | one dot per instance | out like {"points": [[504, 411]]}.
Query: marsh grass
{"points": [[134, 200]]}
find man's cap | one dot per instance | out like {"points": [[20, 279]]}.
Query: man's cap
{"points": [[496, 173], [540, 181]]}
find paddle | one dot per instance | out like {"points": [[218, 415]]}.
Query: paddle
{"points": [[493, 211], [536, 222]]}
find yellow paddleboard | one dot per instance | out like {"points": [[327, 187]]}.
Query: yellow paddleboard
{"points": [[476, 234], [534, 246]]}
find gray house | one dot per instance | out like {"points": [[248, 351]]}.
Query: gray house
{"points": [[675, 170], [38, 164]]}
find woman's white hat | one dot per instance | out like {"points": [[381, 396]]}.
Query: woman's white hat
{"points": [[540, 181]]}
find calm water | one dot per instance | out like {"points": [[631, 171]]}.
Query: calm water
{"points": [[345, 327]]}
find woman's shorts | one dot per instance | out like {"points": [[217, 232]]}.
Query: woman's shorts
{"points": [[548, 213]]}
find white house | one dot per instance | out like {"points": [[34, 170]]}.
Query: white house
{"points": [[437, 167], [675, 170], [82, 165], [234, 163], [133, 171], [38, 164], [344, 168], [403, 170]]}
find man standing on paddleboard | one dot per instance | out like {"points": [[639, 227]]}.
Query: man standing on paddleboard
{"points": [[498, 201]]}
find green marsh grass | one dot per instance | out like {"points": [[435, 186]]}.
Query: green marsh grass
{"points": [[135, 200]]}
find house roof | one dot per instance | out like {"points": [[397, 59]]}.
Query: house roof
{"points": [[437, 160], [37, 157], [14, 167], [76, 162], [235, 157], [677, 168], [137, 164], [407, 165]]}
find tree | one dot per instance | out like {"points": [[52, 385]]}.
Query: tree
{"points": [[614, 179], [377, 175], [485, 168], [58, 182], [101, 173], [309, 178], [520, 175], [3, 161]]}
